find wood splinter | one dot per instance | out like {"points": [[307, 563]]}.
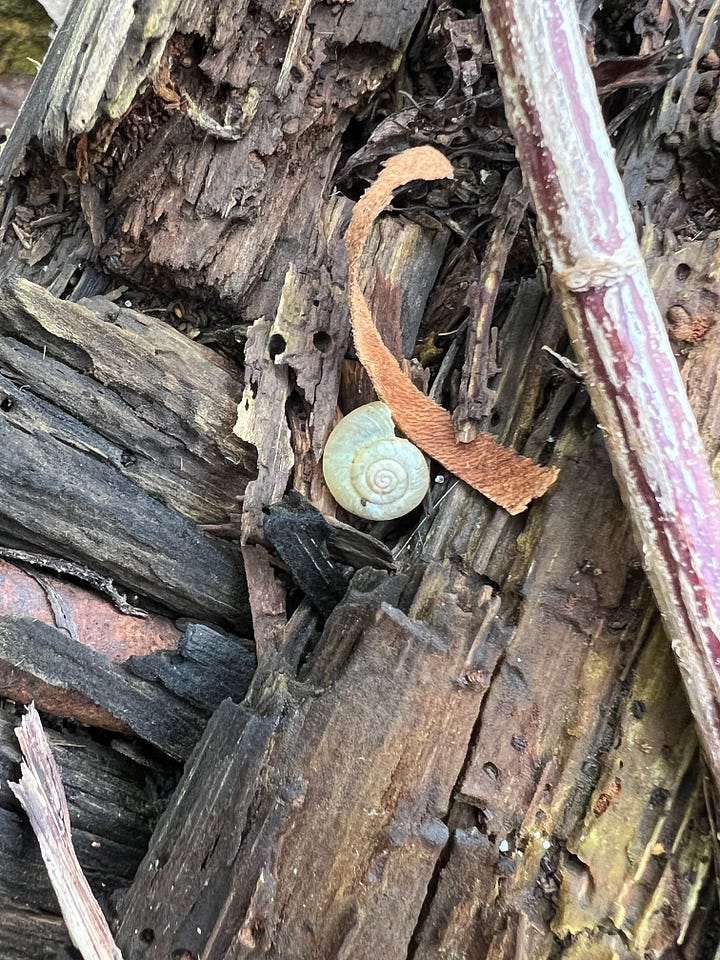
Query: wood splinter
{"points": [[41, 795]]}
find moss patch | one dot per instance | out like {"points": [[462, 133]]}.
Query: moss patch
{"points": [[24, 29]]}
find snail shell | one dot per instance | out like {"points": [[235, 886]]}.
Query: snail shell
{"points": [[371, 472]]}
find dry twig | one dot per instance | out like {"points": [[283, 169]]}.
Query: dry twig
{"points": [[40, 791], [474, 398], [617, 331]]}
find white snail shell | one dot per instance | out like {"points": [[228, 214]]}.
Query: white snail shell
{"points": [[371, 472]]}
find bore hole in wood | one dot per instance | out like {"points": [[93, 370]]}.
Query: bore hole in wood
{"points": [[322, 341], [276, 345], [682, 271], [147, 935]]}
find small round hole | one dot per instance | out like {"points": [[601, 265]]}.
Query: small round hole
{"points": [[276, 345], [682, 271], [322, 341], [147, 935], [491, 770]]}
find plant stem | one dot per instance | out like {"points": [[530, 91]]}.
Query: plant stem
{"points": [[617, 331]]}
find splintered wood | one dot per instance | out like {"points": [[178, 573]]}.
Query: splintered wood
{"points": [[40, 792], [505, 477]]}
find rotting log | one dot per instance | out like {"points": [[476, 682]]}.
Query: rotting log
{"points": [[412, 779], [163, 697], [489, 755]]}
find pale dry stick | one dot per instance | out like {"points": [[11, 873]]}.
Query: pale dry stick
{"points": [[40, 791], [617, 331]]}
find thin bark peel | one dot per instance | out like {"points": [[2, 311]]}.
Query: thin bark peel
{"points": [[617, 331], [502, 475]]}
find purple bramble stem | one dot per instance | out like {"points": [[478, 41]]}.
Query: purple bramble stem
{"points": [[617, 332]]}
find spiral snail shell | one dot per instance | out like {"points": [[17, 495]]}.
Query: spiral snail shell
{"points": [[371, 472]]}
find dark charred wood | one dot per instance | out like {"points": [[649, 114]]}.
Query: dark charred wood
{"points": [[117, 440], [300, 534], [208, 668], [147, 709]]}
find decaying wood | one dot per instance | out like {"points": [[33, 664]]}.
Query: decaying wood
{"points": [[487, 753], [222, 214], [50, 655], [117, 441], [487, 823], [474, 398], [61, 102], [42, 797], [197, 664], [207, 667], [87, 619], [403, 798]]}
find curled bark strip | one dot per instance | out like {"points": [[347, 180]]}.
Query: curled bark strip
{"points": [[40, 792], [505, 477]]}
